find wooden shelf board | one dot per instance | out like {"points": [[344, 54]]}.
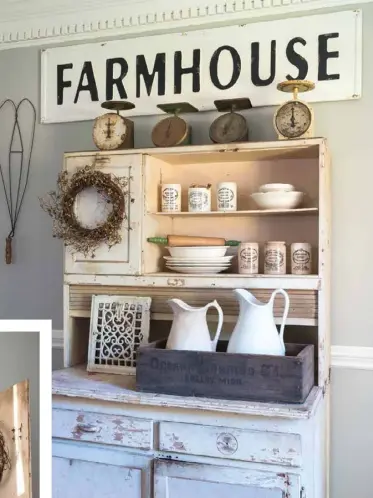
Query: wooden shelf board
{"points": [[219, 281], [308, 322], [250, 212], [76, 382]]}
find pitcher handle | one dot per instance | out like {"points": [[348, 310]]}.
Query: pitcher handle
{"points": [[216, 305], [286, 309]]}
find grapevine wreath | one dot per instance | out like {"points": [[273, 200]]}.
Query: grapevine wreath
{"points": [[4, 457], [60, 205]]}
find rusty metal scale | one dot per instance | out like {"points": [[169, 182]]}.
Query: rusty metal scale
{"points": [[111, 131], [294, 118], [232, 126], [173, 130]]}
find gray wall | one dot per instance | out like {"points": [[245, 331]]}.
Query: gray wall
{"points": [[19, 361], [38, 257]]}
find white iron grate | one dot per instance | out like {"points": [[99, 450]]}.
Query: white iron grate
{"points": [[119, 325]]}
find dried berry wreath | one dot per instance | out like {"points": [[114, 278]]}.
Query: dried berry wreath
{"points": [[60, 204], [5, 463]]}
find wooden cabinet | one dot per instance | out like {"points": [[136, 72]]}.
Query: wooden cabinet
{"points": [[199, 447], [88, 472], [123, 258], [183, 480]]}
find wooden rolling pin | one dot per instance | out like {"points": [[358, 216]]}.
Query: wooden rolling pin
{"points": [[189, 241]]}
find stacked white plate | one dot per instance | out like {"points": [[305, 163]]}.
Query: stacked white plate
{"points": [[196, 260]]}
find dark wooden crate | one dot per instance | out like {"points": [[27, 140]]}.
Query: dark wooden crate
{"points": [[274, 379]]}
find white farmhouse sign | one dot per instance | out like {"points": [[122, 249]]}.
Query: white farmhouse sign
{"points": [[202, 66]]}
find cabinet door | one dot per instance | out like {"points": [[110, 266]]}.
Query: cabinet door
{"points": [[123, 258], [80, 471], [183, 480]]}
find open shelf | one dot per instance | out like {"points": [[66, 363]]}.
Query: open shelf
{"points": [[249, 169], [249, 212], [223, 281]]}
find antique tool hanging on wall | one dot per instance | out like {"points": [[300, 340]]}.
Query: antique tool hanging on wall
{"points": [[173, 130], [15, 188], [294, 118], [111, 131], [232, 126]]}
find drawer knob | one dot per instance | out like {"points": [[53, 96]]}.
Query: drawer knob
{"points": [[227, 444], [87, 428]]}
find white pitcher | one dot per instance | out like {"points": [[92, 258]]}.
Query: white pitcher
{"points": [[255, 331], [189, 329]]}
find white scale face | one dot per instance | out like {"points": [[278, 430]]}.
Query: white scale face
{"points": [[92, 208], [109, 131], [293, 119]]}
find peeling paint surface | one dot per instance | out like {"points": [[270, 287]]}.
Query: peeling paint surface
{"points": [[108, 429], [236, 444]]}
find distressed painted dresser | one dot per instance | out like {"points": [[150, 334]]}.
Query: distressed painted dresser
{"points": [[110, 440]]}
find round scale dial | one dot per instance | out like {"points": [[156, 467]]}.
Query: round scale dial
{"points": [[231, 127], [293, 119], [109, 131], [92, 208], [170, 131]]}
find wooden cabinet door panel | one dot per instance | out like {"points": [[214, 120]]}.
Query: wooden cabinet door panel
{"points": [[185, 480], [87, 470], [80, 479], [123, 258]]}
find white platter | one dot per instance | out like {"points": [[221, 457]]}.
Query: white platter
{"points": [[198, 265], [198, 252], [197, 269], [224, 259]]}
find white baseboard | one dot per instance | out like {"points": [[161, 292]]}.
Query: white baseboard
{"points": [[360, 358], [354, 357]]}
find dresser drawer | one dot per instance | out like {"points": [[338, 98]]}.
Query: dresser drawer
{"points": [[234, 444], [102, 428]]}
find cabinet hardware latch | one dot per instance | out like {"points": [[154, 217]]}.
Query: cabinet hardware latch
{"points": [[302, 492]]}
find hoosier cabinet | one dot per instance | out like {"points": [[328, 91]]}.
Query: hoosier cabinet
{"points": [[111, 440]]}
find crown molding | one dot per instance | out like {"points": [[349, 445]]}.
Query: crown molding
{"points": [[352, 357], [37, 23]]}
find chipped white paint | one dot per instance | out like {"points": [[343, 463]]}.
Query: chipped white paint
{"points": [[102, 428], [253, 425], [228, 442], [77, 383], [182, 480]]}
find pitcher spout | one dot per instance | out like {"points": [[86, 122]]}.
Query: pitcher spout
{"points": [[179, 305], [245, 297]]}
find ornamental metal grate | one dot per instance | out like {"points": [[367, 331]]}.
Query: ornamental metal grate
{"points": [[119, 325]]}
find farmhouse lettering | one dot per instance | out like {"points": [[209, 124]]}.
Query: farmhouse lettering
{"points": [[88, 83], [200, 67]]}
